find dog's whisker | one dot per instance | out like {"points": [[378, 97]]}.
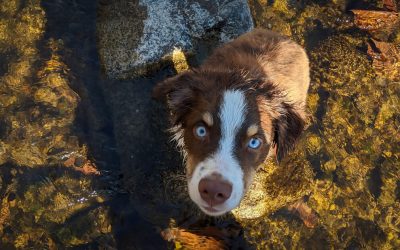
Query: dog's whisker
{"points": [[253, 92]]}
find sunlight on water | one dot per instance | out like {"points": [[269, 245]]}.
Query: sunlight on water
{"points": [[66, 177]]}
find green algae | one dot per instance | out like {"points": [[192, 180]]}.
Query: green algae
{"points": [[48, 211], [346, 166], [270, 190], [41, 197], [51, 95], [353, 140]]}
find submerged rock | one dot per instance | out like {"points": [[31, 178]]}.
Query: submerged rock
{"points": [[134, 35], [275, 187]]}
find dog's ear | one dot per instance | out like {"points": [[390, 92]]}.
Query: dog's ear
{"points": [[287, 129], [177, 91]]}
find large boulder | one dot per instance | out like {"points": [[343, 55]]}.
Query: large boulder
{"points": [[134, 35]]}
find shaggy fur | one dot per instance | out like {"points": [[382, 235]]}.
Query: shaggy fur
{"points": [[271, 72]]}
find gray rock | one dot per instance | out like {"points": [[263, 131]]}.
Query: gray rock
{"points": [[134, 35]]}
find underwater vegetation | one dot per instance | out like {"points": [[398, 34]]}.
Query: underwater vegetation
{"points": [[352, 143], [340, 188], [44, 174]]}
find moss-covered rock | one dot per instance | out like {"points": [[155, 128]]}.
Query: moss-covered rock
{"points": [[339, 66], [352, 143], [134, 36]]}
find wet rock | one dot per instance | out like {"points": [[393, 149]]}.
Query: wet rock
{"points": [[275, 187], [31, 132], [333, 70], [9, 7], [25, 129], [386, 58], [27, 155], [3, 153], [380, 24], [329, 166], [301, 20], [313, 144], [135, 35], [46, 95]]}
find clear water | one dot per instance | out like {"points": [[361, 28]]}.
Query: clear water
{"points": [[58, 112]]}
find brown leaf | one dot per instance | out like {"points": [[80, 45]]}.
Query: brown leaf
{"points": [[380, 24], [192, 240], [306, 214], [385, 59], [87, 168], [390, 5]]}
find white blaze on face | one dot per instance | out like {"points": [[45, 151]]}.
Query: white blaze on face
{"points": [[223, 161]]}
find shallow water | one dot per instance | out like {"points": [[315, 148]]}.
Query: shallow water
{"points": [[86, 164]]}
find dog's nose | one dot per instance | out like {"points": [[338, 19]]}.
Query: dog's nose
{"points": [[214, 190]]}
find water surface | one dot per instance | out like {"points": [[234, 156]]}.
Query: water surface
{"points": [[86, 164]]}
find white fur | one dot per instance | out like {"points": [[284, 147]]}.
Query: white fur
{"points": [[223, 161], [177, 137]]}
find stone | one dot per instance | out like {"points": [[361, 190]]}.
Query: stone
{"points": [[134, 36], [276, 186], [3, 153]]}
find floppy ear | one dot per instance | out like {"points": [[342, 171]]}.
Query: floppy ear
{"points": [[178, 94], [287, 129]]}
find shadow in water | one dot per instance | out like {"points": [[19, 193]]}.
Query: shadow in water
{"points": [[98, 122], [125, 131]]}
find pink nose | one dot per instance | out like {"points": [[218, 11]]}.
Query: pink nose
{"points": [[214, 190]]}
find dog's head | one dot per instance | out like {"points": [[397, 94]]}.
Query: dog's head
{"points": [[227, 124]]}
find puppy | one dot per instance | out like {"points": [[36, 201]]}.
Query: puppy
{"points": [[246, 102]]}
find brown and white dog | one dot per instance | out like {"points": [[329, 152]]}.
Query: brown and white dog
{"points": [[245, 103]]}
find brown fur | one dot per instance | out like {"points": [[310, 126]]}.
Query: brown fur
{"points": [[273, 73]]}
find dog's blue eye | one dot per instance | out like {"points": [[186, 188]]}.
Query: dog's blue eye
{"points": [[201, 131], [254, 143]]}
